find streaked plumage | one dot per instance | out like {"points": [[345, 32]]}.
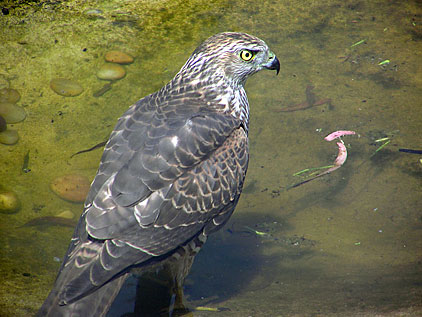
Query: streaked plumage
{"points": [[171, 174]]}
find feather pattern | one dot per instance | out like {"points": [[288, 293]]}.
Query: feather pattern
{"points": [[171, 174]]}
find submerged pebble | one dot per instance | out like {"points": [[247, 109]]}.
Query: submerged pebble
{"points": [[67, 214], [66, 87], [111, 72], [9, 137], [11, 112], [72, 187], [118, 57], [94, 14], [93, 11], [3, 125], [9, 202], [9, 95]]}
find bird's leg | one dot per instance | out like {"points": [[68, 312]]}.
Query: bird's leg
{"points": [[160, 294], [178, 308], [177, 272]]}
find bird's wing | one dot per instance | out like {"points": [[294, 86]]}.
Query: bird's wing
{"points": [[164, 178]]}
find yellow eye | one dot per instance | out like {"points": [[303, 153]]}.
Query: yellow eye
{"points": [[247, 55]]}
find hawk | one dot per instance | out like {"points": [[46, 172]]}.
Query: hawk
{"points": [[171, 173]]}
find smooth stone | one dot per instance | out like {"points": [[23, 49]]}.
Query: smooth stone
{"points": [[72, 187], [3, 125], [9, 95], [111, 72], [9, 137], [9, 202], [67, 214], [11, 112], [66, 87], [93, 11], [118, 57]]}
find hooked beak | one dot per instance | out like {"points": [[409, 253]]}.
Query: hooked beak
{"points": [[273, 63]]}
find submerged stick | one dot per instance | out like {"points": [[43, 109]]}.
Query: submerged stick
{"points": [[90, 149], [50, 221], [411, 151], [102, 90], [25, 164]]}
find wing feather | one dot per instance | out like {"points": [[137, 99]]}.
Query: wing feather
{"points": [[155, 191]]}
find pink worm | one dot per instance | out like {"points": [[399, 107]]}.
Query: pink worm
{"points": [[338, 134], [340, 159], [342, 154]]}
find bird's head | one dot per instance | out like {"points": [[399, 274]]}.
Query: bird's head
{"points": [[232, 56]]}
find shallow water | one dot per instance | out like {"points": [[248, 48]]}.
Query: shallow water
{"points": [[348, 243]]}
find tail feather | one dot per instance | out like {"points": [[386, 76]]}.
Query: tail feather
{"points": [[94, 304]]}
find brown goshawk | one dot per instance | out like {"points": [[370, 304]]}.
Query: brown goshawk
{"points": [[171, 174]]}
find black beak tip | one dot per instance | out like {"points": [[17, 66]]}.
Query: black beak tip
{"points": [[275, 65]]}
